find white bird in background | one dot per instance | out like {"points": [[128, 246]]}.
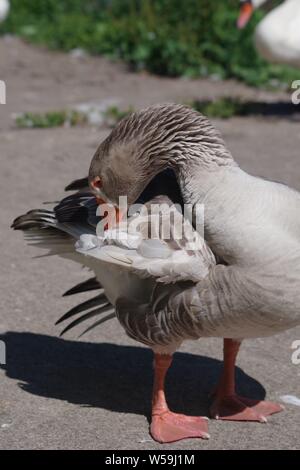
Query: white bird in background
{"points": [[277, 36], [4, 9]]}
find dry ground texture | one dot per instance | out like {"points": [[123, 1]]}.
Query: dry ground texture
{"points": [[95, 393]]}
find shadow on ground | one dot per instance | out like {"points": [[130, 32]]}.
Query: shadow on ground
{"points": [[117, 378], [226, 107]]}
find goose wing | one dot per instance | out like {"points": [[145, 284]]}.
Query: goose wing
{"points": [[152, 271], [127, 263], [57, 231], [174, 252]]}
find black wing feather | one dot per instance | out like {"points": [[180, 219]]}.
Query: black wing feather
{"points": [[87, 316], [85, 286], [77, 185], [95, 301]]}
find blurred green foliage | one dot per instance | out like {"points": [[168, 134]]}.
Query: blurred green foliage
{"points": [[50, 119], [71, 118], [223, 108], [168, 37], [114, 114]]}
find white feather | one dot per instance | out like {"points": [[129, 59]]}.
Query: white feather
{"points": [[165, 261]]}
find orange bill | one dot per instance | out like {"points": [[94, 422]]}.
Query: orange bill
{"points": [[245, 14], [113, 219]]}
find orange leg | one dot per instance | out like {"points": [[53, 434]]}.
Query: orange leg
{"points": [[167, 426], [227, 404]]}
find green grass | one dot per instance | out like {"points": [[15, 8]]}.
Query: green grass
{"points": [[222, 108], [114, 114], [50, 119], [167, 37], [69, 118]]}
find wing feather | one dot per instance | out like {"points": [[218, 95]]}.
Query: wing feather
{"points": [[85, 286], [94, 313]]}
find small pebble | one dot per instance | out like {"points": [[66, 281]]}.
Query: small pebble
{"points": [[291, 400]]}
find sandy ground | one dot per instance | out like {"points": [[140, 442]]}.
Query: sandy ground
{"points": [[95, 393]]}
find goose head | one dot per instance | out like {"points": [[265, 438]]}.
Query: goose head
{"points": [[154, 143], [246, 9]]}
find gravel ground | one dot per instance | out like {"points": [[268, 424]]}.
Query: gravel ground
{"points": [[95, 393]]}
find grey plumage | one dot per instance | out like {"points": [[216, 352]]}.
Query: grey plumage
{"points": [[253, 292], [132, 276], [252, 225], [151, 140], [243, 281], [175, 269]]}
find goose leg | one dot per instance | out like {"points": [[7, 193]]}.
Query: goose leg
{"points": [[227, 404], [167, 426]]}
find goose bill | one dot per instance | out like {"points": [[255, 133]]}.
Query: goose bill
{"points": [[245, 14], [112, 222]]}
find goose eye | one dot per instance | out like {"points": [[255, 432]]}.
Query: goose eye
{"points": [[96, 183]]}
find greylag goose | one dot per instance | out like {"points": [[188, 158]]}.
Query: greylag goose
{"points": [[277, 36], [251, 225], [131, 269]]}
